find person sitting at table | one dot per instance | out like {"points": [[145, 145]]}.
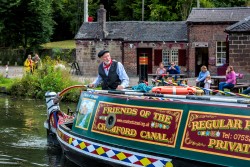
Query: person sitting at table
{"points": [[246, 91], [202, 76], [174, 69], [230, 79], [160, 70]]}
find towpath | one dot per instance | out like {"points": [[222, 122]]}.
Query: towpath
{"points": [[17, 72]]}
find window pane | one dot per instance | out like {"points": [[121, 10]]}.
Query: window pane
{"points": [[221, 53], [165, 57], [218, 49]]}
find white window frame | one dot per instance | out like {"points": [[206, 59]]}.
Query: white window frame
{"points": [[221, 53], [170, 55]]}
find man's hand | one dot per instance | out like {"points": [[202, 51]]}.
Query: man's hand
{"points": [[91, 85], [119, 87]]}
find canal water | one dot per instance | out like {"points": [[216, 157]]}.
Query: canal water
{"points": [[23, 141]]}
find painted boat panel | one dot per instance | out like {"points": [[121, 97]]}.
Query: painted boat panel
{"points": [[204, 131]]}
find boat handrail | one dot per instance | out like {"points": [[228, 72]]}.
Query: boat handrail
{"points": [[188, 97]]}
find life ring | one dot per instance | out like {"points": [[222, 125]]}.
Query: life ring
{"points": [[175, 90]]}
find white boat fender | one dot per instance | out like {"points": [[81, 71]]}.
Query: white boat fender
{"points": [[52, 102]]}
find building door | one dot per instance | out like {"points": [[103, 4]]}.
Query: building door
{"points": [[201, 58], [148, 52]]}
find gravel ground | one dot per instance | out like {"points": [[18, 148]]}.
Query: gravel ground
{"points": [[17, 71]]}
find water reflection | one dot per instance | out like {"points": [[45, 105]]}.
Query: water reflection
{"points": [[23, 140]]}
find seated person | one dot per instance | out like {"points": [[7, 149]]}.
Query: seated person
{"points": [[170, 80], [246, 91], [202, 76], [230, 79], [160, 70], [173, 69]]}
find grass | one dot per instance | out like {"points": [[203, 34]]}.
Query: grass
{"points": [[6, 82], [69, 44]]}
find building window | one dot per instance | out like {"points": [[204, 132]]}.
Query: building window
{"points": [[220, 53], [169, 56]]}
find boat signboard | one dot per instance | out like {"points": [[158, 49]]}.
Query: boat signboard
{"points": [[139, 123], [219, 134]]}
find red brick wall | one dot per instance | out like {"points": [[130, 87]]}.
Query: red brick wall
{"points": [[204, 33], [239, 53]]}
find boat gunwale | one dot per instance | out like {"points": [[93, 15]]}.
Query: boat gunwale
{"points": [[62, 126], [64, 129], [193, 100]]}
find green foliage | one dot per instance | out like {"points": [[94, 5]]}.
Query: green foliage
{"points": [[11, 56], [6, 82], [25, 22], [230, 3], [47, 78], [29, 23], [160, 11], [68, 16]]}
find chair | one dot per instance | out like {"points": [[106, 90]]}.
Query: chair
{"points": [[75, 69]]}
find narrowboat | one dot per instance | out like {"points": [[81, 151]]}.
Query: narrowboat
{"points": [[129, 128]]}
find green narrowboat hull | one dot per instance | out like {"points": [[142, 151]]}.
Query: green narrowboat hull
{"points": [[156, 129], [200, 130]]}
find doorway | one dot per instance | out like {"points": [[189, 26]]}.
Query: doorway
{"points": [[201, 58], [148, 52]]}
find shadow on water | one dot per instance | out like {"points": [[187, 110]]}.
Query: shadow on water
{"points": [[23, 140]]}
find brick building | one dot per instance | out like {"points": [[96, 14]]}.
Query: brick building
{"points": [[201, 40], [207, 39], [127, 40], [239, 46]]}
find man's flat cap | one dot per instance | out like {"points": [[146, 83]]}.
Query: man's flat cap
{"points": [[102, 52]]}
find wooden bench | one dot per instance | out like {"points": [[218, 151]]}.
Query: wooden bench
{"points": [[239, 87]]}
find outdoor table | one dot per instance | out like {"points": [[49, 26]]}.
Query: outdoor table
{"points": [[217, 79], [169, 75]]}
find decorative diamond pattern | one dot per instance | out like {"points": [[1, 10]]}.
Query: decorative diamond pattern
{"points": [[145, 161], [110, 153], [121, 156], [114, 154], [100, 151], [82, 145]]}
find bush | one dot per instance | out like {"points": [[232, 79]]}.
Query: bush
{"points": [[6, 82], [44, 79]]}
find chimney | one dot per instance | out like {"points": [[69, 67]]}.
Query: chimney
{"points": [[101, 20]]}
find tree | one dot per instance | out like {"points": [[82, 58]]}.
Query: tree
{"points": [[230, 3], [161, 10], [25, 23], [185, 6], [68, 16]]}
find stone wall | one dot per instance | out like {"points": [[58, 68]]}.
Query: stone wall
{"points": [[239, 53], [86, 54], [125, 52]]}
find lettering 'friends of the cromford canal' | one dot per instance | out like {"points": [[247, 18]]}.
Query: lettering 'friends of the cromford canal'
{"points": [[145, 124], [221, 134]]}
